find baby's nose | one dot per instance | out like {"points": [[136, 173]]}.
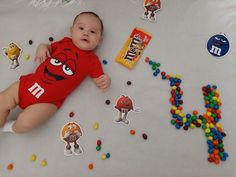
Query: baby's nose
{"points": [[86, 33]]}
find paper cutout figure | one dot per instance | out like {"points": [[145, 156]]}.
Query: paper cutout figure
{"points": [[13, 52], [70, 134], [151, 8], [218, 45], [124, 105]]}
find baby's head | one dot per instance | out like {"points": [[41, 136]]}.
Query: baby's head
{"points": [[86, 31]]}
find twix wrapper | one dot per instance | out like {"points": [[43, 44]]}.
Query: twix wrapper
{"points": [[133, 48]]}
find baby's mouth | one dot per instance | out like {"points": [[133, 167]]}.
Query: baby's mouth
{"points": [[85, 40]]}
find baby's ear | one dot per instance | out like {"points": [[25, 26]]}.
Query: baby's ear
{"points": [[100, 41]]}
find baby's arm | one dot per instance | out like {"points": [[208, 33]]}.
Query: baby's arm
{"points": [[102, 82], [43, 52]]}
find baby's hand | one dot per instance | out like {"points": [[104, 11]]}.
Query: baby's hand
{"points": [[42, 52], [102, 82]]}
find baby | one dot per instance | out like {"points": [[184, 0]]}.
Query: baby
{"points": [[64, 65]]}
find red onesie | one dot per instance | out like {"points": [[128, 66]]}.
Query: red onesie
{"points": [[58, 75]]}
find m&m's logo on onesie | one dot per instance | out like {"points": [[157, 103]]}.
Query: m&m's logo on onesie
{"points": [[218, 45]]}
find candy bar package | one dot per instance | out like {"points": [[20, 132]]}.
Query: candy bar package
{"points": [[133, 48]]}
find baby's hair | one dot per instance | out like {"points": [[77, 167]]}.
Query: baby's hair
{"points": [[91, 13]]}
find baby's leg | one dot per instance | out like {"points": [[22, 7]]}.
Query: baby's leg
{"points": [[8, 100], [33, 116]]}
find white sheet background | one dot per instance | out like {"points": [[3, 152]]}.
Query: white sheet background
{"points": [[179, 44]]}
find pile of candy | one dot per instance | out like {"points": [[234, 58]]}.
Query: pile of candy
{"points": [[209, 121]]}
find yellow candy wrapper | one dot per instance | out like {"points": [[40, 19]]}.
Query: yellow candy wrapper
{"points": [[133, 48]]}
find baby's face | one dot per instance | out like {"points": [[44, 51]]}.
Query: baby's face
{"points": [[86, 32]]}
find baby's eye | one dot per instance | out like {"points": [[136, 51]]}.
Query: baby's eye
{"points": [[55, 62], [81, 28], [93, 32]]}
